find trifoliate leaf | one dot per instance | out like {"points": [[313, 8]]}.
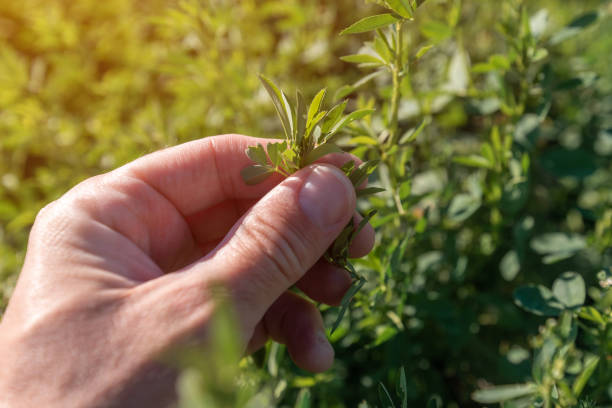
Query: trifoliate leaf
{"points": [[569, 289], [256, 174], [257, 154]]}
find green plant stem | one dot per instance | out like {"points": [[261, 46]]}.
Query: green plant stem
{"points": [[396, 72]]}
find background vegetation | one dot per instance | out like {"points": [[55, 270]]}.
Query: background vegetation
{"points": [[503, 197]]}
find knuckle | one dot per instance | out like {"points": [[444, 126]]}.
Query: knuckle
{"points": [[284, 250]]}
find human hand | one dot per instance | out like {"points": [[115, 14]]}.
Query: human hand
{"points": [[122, 268]]}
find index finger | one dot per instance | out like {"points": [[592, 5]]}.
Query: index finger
{"points": [[201, 174]]}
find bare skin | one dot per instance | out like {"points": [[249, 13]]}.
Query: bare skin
{"points": [[120, 270]]}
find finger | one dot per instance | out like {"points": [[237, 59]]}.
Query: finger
{"points": [[278, 240], [258, 339], [209, 227], [297, 323], [325, 283], [204, 173]]}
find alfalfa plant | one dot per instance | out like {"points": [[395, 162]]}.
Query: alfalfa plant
{"points": [[309, 135]]}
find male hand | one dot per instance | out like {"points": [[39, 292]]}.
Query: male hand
{"points": [[122, 268]]}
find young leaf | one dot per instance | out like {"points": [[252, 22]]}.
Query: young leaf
{"points": [[256, 174], [348, 168], [283, 108], [300, 113], [321, 151], [361, 226], [275, 151], [423, 50], [315, 107], [362, 172], [366, 192], [370, 23], [257, 154], [413, 133], [313, 126], [474, 161], [346, 301], [362, 59], [363, 140], [590, 364], [385, 397], [401, 7], [333, 116], [348, 119]]}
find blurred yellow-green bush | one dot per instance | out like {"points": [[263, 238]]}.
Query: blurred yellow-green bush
{"points": [[86, 86]]}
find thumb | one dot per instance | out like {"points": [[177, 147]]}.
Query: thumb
{"points": [[280, 238]]}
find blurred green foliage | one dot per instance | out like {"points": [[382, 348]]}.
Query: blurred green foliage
{"points": [[504, 191]]}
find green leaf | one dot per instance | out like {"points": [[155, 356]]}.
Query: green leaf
{"points": [[300, 119], [413, 133], [510, 266], [397, 256], [315, 107], [474, 161], [333, 116], [569, 289], [257, 154], [538, 300], [275, 151], [346, 90], [589, 366], [385, 397], [423, 50], [348, 119], [312, 126], [575, 27], [256, 174], [370, 23], [361, 173], [281, 104], [346, 301], [401, 7], [592, 314], [320, 151], [382, 47], [436, 31], [555, 243], [403, 387], [365, 192], [362, 59], [463, 207], [363, 140], [303, 399], [503, 393]]}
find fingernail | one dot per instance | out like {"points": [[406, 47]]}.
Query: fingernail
{"points": [[327, 196]]}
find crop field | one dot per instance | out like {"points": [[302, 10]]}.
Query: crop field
{"points": [[488, 126]]}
